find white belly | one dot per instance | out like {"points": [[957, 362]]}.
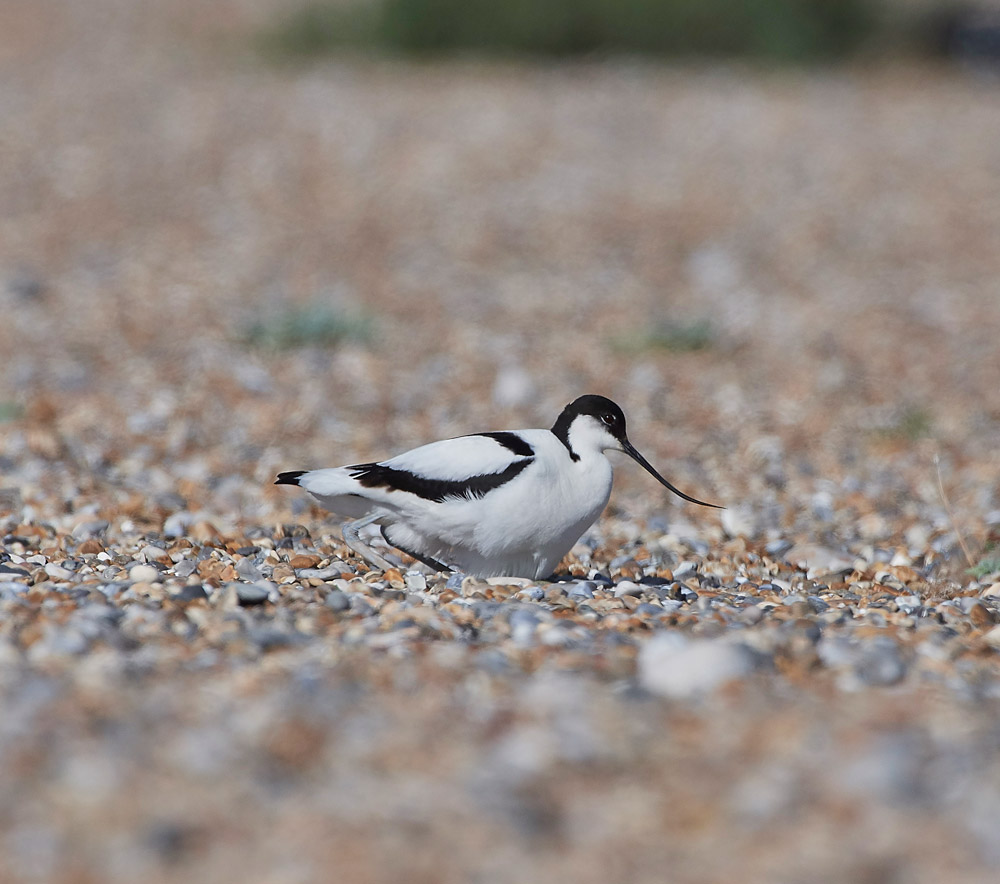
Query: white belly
{"points": [[509, 532]]}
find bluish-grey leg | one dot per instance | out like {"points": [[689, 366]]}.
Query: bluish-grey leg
{"points": [[352, 537]]}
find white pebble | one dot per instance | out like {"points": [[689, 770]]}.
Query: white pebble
{"points": [[415, 581], [627, 587], [57, 572], [143, 574], [673, 666]]}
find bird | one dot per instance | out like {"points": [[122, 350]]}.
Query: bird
{"points": [[507, 503]]}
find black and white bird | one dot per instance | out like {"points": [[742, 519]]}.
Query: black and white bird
{"points": [[509, 503]]}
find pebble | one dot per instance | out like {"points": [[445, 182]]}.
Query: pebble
{"points": [[91, 528], [648, 610], [415, 581], [981, 616], [685, 639], [523, 623], [628, 588], [361, 606], [249, 572], [680, 668], [143, 574], [319, 573], [908, 604], [337, 600], [778, 548], [253, 593], [185, 568], [190, 593], [581, 589], [880, 663]]}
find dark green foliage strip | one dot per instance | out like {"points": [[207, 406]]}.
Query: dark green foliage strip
{"points": [[782, 30]]}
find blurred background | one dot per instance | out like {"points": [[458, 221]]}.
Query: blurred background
{"points": [[241, 236], [249, 235]]}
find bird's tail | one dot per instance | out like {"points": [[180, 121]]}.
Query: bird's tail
{"points": [[290, 478]]}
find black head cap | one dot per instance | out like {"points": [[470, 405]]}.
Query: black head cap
{"points": [[600, 407], [606, 411]]}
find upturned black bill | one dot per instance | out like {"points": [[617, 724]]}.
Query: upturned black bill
{"points": [[631, 451]]}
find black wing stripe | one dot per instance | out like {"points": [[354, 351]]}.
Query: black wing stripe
{"points": [[511, 441], [377, 475]]}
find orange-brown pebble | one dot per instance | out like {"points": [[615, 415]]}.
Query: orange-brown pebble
{"points": [[394, 578], [981, 616]]}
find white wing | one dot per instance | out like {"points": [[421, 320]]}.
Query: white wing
{"points": [[462, 458]]}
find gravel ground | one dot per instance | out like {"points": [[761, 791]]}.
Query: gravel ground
{"points": [[789, 282]]}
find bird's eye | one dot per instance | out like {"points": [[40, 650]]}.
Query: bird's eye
{"points": [[609, 419]]}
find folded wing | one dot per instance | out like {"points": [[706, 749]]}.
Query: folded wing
{"points": [[465, 467]]}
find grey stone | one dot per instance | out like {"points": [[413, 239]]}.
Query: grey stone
{"points": [[92, 528], [185, 567], [966, 603], [684, 569], [248, 571], [880, 663], [581, 589], [628, 588], [253, 593], [648, 610], [523, 623], [176, 524], [361, 605], [908, 604], [486, 610], [777, 548], [57, 572], [337, 600], [190, 593]]}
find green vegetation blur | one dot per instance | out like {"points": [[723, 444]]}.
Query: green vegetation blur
{"points": [[792, 31]]}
